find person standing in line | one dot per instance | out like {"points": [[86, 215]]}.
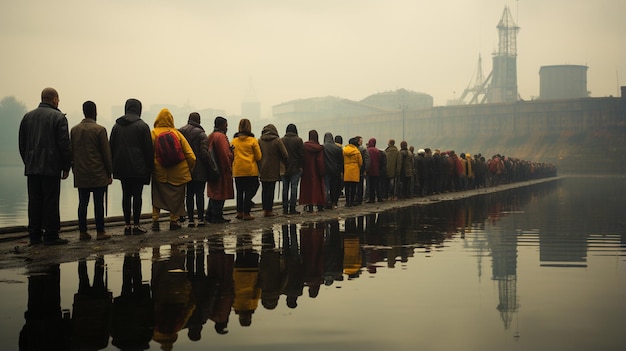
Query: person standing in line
{"points": [[406, 170], [312, 192], [92, 167], [133, 155], [352, 162], [292, 169], [247, 154], [373, 172], [221, 189], [393, 168], [274, 152], [333, 162], [360, 190], [168, 183], [45, 148], [199, 142]]}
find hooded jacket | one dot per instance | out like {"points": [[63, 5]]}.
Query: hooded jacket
{"points": [[180, 173], [44, 142], [295, 150], [333, 156], [312, 184], [375, 159], [352, 162], [132, 149], [393, 161], [273, 151], [247, 153], [199, 142]]}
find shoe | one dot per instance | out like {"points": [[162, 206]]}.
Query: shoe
{"points": [[155, 226], [247, 217], [220, 220], [268, 214], [293, 211], [84, 236], [200, 223], [128, 231], [103, 236], [137, 230], [175, 225], [191, 225], [239, 215], [56, 241]]}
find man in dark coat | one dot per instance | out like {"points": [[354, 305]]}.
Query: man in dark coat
{"points": [[197, 138], [373, 172], [221, 189], [45, 148], [133, 161], [293, 168], [91, 166], [333, 161]]}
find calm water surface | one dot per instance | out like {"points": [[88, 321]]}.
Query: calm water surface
{"points": [[540, 268]]}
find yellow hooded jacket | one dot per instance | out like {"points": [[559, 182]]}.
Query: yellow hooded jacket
{"points": [[352, 162], [247, 154], [180, 173]]}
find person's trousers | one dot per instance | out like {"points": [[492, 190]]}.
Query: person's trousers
{"points": [[246, 189], [195, 196], [332, 184], [98, 207], [290, 190], [267, 195], [351, 192], [43, 207], [374, 187], [215, 209], [131, 198]]}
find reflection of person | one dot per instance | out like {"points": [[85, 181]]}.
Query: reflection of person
{"points": [[246, 280], [45, 148], [132, 322], [220, 275], [173, 301], [46, 327], [271, 272], [311, 244], [168, 183], [199, 289], [91, 309], [132, 152], [333, 254], [197, 138], [92, 167], [293, 265], [245, 169], [221, 189]]}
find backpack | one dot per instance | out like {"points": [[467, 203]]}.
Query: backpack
{"points": [[168, 149]]}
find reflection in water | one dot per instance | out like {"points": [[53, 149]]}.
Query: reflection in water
{"points": [[206, 281]]}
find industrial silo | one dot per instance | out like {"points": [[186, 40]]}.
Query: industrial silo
{"points": [[563, 82]]}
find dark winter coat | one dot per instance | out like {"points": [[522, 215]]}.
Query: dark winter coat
{"points": [[199, 142], [131, 145], [312, 185], [374, 157], [92, 164], [273, 151], [222, 188], [333, 156], [44, 142], [394, 162], [295, 150]]}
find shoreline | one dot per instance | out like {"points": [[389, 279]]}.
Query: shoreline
{"points": [[17, 252]]}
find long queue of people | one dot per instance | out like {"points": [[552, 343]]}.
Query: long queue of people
{"points": [[183, 165]]}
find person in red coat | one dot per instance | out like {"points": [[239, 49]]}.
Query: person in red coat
{"points": [[221, 189], [312, 185]]}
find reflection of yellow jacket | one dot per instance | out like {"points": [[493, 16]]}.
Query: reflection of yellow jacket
{"points": [[180, 173], [247, 153], [247, 293], [351, 255], [352, 162]]}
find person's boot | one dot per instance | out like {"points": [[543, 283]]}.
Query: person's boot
{"points": [[268, 213], [239, 215], [155, 226], [103, 236], [84, 236], [247, 217], [175, 225]]}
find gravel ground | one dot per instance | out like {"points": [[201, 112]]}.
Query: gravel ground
{"points": [[16, 252]]}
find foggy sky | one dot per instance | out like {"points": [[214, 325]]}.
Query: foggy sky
{"points": [[205, 53]]}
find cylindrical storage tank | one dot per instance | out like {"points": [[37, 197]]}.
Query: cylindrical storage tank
{"points": [[563, 82]]}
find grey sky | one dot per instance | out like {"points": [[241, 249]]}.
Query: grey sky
{"points": [[205, 53]]}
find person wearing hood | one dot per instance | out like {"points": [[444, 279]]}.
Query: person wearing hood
{"points": [[221, 189], [364, 167], [333, 162], [91, 166], [247, 154], [406, 169], [312, 191], [292, 168], [199, 142], [132, 152], [373, 171], [352, 162], [168, 183], [393, 168], [274, 152]]}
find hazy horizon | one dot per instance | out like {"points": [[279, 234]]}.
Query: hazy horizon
{"points": [[207, 54]]}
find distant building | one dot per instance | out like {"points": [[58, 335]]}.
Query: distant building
{"points": [[400, 99], [563, 82]]}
